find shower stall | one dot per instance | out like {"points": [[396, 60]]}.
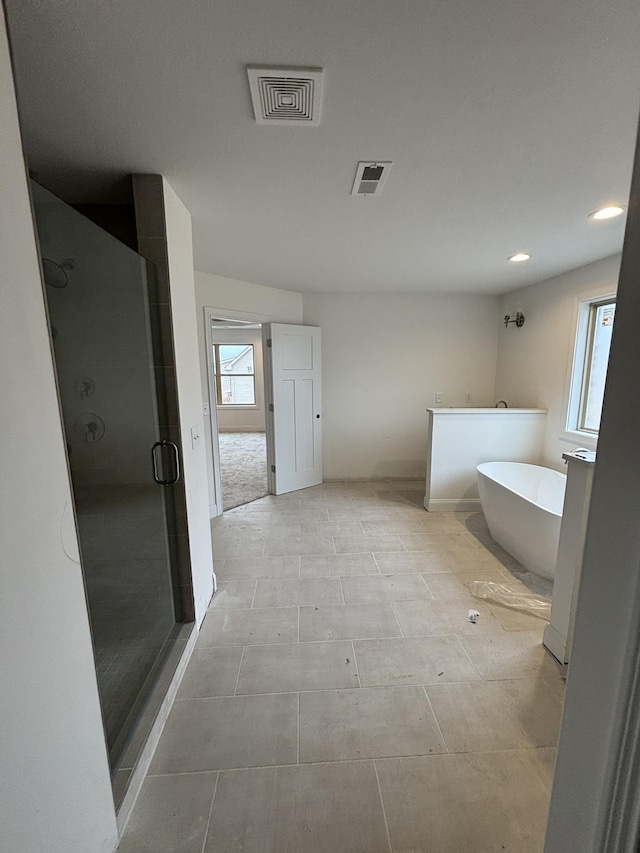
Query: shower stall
{"points": [[111, 337]]}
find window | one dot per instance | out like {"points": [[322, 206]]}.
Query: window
{"points": [[593, 341], [234, 369]]}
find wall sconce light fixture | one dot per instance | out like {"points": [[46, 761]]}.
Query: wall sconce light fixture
{"points": [[518, 320]]}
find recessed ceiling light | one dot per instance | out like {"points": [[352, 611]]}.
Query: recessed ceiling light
{"points": [[609, 212], [519, 257]]}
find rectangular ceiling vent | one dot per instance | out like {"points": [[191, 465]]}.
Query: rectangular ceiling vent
{"points": [[286, 95], [370, 177]]}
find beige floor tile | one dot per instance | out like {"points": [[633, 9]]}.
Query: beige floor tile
{"points": [[329, 808], [252, 569], [358, 514], [211, 672], [436, 541], [515, 654], [545, 762], [385, 588], [412, 660], [557, 685], [324, 565], [246, 627], [493, 715], [304, 545], [456, 584], [286, 592], [299, 666], [240, 731], [377, 500], [415, 512], [367, 723], [428, 618], [330, 528], [234, 549], [288, 515], [171, 814], [517, 620], [367, 544], [413, 561], [393, 526], [280, 612], [348, 622], [327, 502], [472, 560], [484, 803], [259, 531], [233, 595]]}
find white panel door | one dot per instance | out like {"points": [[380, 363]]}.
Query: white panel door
{"points": [[295, 393]]}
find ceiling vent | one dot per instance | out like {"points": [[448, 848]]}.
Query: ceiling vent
{"points": [[286, 96], [370, 177]]}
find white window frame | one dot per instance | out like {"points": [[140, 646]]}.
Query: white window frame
{"points": [[577, 372], [218, 378]]}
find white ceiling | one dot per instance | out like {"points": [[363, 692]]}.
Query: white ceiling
{"points": [[508, 122]]}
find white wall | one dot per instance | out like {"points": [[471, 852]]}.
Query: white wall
{"points": [[215, 291], [384, 358], [461, 439], [533, 361], [185, 341], [598, 745], [245, 418], [54, 773]]}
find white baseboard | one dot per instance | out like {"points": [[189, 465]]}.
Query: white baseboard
{"points": [[555, 643], [453, 505]]}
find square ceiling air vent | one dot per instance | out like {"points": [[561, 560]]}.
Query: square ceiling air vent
{"points": [[370, 177], [286, 95]]}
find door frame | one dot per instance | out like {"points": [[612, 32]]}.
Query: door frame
{"points": [[211, 313]]}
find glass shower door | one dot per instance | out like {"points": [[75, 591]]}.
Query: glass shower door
{"points": [[122, 463]]}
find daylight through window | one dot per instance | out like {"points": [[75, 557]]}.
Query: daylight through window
{"points": [[595, 328], [234, 368]]}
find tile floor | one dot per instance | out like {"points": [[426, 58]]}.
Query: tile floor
{"points": [[338, 698]]}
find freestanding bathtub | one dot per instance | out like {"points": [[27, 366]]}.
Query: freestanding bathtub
{"points": [[523, 505]]}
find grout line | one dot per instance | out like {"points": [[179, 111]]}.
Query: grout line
{"points": [[393, 610], [235, 689], [373, 554], [206, 832], [384, 814], [355, 660], [298, 736], [299, 566], [341, 589], [255, 589], [475, 668], [348, 761], [298, 623], [435, 717], [427, 585]]}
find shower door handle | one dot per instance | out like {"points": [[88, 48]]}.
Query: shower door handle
{"points": [[176, 462]]}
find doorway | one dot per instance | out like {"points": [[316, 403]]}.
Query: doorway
{"points": [[235, 361], [291, 388]]}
